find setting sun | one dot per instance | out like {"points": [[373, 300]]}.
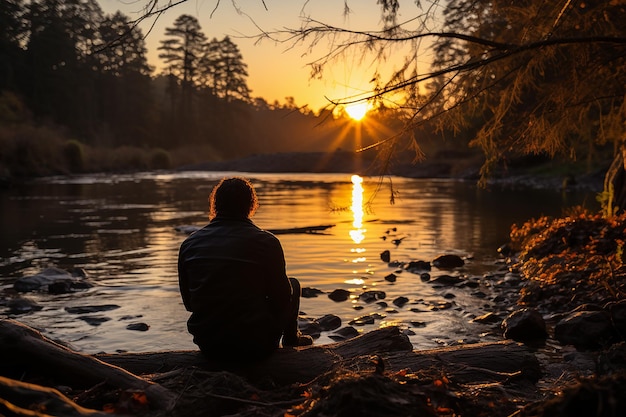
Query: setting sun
{"points": [[357, 111]]}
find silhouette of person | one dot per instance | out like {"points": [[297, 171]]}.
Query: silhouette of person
{"points": [[232, 278]]}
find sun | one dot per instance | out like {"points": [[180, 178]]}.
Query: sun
{"points": [[357, 111]]}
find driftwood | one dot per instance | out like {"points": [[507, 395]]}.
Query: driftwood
{"points": [[20, 344], [318, 229], [306, 229], [17, 399], [483, 362]]}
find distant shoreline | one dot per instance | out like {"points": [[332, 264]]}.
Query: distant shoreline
{"points": [[451, 165]]}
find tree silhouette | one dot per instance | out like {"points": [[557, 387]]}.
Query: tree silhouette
{"points": [[182, 49], [528, 77], [124, 82]]}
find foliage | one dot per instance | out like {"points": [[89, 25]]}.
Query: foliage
{"points": [[581, 254], [74, 156], [530, 77], [68, 72], [543, 78], [160, 159]]}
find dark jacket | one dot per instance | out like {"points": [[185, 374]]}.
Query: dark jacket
{"points": [[232, 278]]}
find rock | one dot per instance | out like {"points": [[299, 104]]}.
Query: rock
{"points": [[446, 280], [308, 292], [142, 327], [418, 323], [470, 283], [310, 327], [585, 329], [59, 278], [385, 256], [372, 295], [339, 295], [417, 267], [505, 250], [329, 322], [187, 228], [367, 319], [442, 305], [21, 305], [488, 318], [94, 320], [525, 325], [448, 261], [425, 276], [391, 278], [618, 316], [344, 333], [400, 301], [91, 309]]}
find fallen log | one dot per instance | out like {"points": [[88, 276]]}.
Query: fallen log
{"points": [[305, 229], [482, 362], [286, 365], [20, 344]]}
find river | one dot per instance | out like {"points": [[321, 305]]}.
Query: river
{"points": [[124, 231]]}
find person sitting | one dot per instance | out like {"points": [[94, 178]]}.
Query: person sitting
{"points": [[232, 278]]}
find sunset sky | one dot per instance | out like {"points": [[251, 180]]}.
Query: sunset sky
{"points": [[275, 70]]}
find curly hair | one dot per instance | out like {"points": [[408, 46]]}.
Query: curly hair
{"points": [[233, 197]]}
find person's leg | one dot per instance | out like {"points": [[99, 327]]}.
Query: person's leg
{"points": [[291, 334]]}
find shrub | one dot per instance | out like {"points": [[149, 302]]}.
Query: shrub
{"points": [[74, 155], [160, 159]]}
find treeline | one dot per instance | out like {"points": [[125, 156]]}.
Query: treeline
{"points": [[78, 94]]}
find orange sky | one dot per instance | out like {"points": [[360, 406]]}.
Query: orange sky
{"points": [[275, 71]]}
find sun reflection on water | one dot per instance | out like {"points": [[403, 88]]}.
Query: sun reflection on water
{"points": [[358, 233]]}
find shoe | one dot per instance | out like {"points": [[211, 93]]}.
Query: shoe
{"points": [[299, 340]]}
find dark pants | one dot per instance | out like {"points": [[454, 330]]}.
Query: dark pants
{"points": [[290, 330], [240, 353]]}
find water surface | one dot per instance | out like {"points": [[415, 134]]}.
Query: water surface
{"points": [[122, 230]]}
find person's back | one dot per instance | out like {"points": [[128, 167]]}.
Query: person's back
{"points": [[232, 278]]}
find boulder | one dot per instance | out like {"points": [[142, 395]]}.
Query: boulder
{"points": [[59, 279], [308, 292], [446, 280], [339, 295], [585, 329], [618, 316], [21, 305], [329, 322], [391, 277], [310, 327], [448, 261], [417, 267], [372, 295], [525, 325], [400, 301]]}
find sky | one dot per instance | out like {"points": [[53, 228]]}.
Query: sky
{"points": [[277, 70]]}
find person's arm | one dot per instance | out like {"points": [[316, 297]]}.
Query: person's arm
{"points": [[278, 286], [183, 281]]}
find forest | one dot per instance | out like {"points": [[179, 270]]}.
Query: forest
{"points": [[78, 95], [532, 82]]}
